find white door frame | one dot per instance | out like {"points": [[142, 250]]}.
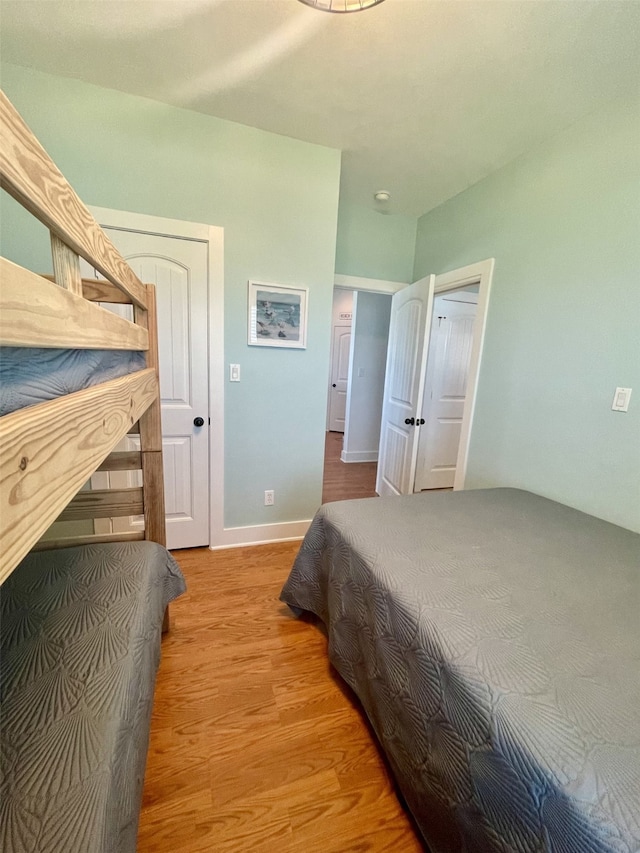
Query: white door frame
{"points": [[480, 273], [371, 285], [214, 236]]}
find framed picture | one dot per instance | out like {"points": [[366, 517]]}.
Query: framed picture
{"points": [[277, 315]]}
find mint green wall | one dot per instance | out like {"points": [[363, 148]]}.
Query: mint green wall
{"points": [[375, 245], [563, 224], [277, 199]]}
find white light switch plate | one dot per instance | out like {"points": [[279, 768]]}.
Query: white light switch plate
{"points": [[234, 373], [621, 400]]}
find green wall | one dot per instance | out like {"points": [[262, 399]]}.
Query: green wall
{"points": [[375, 245], [277, 199], [563, 224]]}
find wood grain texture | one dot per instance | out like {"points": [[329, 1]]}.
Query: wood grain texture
{"points": [[96, 290], [151, 433], [48, 451], [32, 178], [153, 505], [151, 421], [345, 480], [35, 312], [66, 266], [103, 291], [89, 539], [122, 460], [256, 743], [103, 503]]}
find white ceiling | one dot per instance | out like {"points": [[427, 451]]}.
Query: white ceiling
{"points": [[424, 97]]}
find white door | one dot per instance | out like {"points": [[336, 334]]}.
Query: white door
{"points": [[404, 380], [339, 377], [447, 374], [178, 268]]}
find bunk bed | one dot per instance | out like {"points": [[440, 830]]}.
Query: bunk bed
{"points": [[81, 616], [493, 639]]}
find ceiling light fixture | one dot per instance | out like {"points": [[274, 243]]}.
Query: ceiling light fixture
{"points": [[382, 195], [341, 5]]}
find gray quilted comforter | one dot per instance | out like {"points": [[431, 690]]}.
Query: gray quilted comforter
{"points": [[29, 376], [493, 638], [80, 644]]}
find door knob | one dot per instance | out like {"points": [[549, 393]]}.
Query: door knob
{"points": [[333, 385], [409, 421], [198, 421]]}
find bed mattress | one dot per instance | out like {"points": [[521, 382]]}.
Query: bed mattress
{"points": [[30, 375], [493, 638], [80, 644]]}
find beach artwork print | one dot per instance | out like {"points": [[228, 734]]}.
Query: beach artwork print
{"points": [[277, 315]]}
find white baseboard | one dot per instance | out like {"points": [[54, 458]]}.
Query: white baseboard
{"points": [[260, 534], [359, 456]]}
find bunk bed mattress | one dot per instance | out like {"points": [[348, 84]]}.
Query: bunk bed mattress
{"points": [[493, 639], [80, 642], [30, 375]]}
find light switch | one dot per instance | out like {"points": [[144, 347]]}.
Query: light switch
{"points": [[621, 400], [234, 373], [361, 372]]}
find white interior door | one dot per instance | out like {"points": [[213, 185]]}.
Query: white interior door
{"points": [[339, 377], [447, 374], [178, 267], [404, 380]]}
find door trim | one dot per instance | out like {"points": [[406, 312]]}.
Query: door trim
{"points": [[372, 285], [214, 236], [479, 273]]}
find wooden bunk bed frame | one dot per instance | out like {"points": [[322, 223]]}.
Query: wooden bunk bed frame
{"points": [[48, 451]]}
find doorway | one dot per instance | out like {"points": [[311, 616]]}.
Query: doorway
{"points": [[446, 381], [404, 414], [360, 325], [341, 319]]}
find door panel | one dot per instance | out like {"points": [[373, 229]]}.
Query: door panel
{"points": [[445, 392], [403, 387], [178, 267], [177, 454]]}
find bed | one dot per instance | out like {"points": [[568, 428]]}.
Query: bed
{"points": [[79, 635], [82, 613], [493, 639]]}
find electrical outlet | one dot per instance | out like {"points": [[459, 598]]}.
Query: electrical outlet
{"points": [[269, 497]]}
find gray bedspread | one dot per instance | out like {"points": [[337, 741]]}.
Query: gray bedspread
{"points": [[80, 645], [493, 638], [29, 376]]}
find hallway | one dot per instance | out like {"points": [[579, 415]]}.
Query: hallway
{"points": [[344, 481]]}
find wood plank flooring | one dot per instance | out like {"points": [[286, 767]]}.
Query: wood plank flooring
{"points": [[256, 744], [345, 480]]}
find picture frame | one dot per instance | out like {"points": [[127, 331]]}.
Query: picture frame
{"points": [[277, 315]]}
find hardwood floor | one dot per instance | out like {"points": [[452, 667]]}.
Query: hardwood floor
{"points": [[343, 481], [256, 744]]}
